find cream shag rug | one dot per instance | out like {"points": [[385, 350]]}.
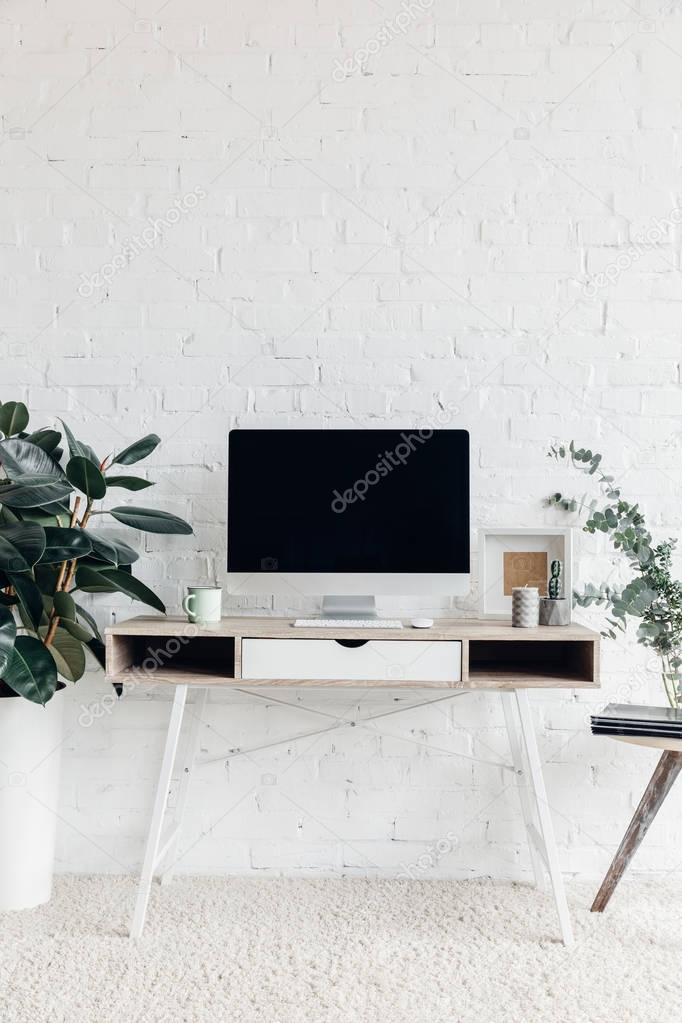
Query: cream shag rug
{"points": [[349, 951]]}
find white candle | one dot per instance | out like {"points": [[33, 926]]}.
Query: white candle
{"points": [[525, 607]]}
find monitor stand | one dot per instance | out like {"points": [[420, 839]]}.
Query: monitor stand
{"points": [[349, 607]]}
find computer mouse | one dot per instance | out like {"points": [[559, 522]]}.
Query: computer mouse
{"points": [[421, 623]]}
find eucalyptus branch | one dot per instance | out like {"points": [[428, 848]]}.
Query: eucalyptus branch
{"points": [[652, 597]]}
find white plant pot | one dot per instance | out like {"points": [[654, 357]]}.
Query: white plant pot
{"points": [[30, 755]]}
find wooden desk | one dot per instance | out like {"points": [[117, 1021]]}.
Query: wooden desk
{"points": [[460, 654]]}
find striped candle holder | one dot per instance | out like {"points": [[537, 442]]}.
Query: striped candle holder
{"points": [[525, 607]]}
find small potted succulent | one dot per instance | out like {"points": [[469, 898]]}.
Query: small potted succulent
{"points": [[50, 553], [555, 608]]}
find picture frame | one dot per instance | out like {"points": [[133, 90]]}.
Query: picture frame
{"points": [[520, 556]]}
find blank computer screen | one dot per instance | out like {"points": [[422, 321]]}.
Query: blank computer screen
{"points": [[348, 501]]}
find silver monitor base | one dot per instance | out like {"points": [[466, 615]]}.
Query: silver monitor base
{"points": [[349, 607]]}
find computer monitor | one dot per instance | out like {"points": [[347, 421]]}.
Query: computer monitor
{"points": [[348, 513]]}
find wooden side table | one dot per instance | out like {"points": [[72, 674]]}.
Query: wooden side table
{"points": [[662, 780]]}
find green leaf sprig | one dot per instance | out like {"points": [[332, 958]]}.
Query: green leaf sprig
{"points": [[652, 598]]}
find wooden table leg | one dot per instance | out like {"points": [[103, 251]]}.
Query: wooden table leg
{"points": [[667, 770]]}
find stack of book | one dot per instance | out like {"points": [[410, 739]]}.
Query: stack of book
{"points": [[627, 719]]}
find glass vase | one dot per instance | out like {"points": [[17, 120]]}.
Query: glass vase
{"points": [[672, 679]]}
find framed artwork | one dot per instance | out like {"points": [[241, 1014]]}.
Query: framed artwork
{"points": [[520, 556]]}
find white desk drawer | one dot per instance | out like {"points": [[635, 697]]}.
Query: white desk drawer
{"points": [[380, 660]]}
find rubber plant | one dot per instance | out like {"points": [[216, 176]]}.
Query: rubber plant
{"points": [[49, 552], [652, 597]]}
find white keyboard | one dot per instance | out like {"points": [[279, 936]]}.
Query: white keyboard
{"points": [[348, 623]]}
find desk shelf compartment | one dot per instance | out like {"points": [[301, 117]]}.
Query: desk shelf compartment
{"points": [[512, 663], [200, 659]]}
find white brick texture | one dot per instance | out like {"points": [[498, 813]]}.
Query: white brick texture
{"points": [[472, 212]]}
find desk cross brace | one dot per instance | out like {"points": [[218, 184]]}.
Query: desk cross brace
{"points": [[527, 767], [237, 751]]}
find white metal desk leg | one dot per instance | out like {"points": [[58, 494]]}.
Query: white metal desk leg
{"points": [[161, 799], [522, 781], [195, 711], [544, 815]]}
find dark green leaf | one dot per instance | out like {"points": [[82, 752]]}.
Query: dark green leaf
{"points": [[26, 622], [31, 672], [90, 580], [29, 596], [132, 587], [109, 580], [86, 477], [21, 457], [11, 558], [98, 651], [95, 563], [87, 617], [137, 451], [8, 632], [128, 482], [64, 606], [21, 546], [7, 516], [48, 440], [58, 515], [35, 491], [112, 551], [13, 417], [64, 544], [46, 577], [149, 520], [68, 654], [77, 448], [76, 630]]}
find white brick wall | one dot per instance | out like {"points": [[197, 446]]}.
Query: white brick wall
{"points": [[426, 232]]}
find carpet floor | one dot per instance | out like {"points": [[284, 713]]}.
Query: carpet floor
{"points": [[334, 951]]}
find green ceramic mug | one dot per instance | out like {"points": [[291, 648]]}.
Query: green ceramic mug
{"points": [[203, 604]]}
